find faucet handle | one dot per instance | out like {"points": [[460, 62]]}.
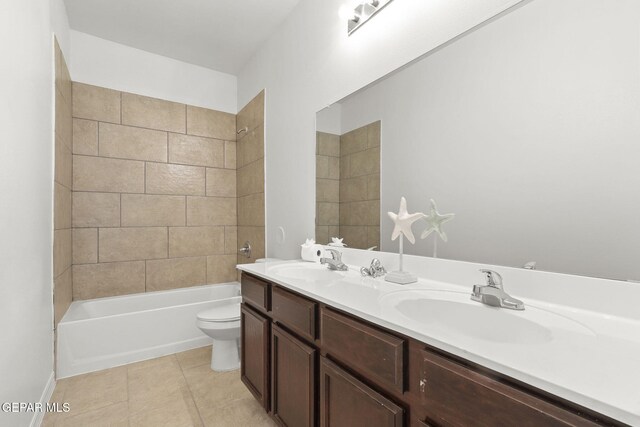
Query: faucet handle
{"points": [[494, 279], [336, 255]]}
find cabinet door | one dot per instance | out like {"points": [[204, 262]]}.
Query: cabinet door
{"points": [[293, 377], [446, 387], [254, 370], [345, 401]]}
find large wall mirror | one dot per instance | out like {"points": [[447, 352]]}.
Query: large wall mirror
{"points": [[527, 128]]}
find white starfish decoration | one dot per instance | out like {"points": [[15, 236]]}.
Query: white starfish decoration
{"points": [[435, 220], [308, 243], [403, 221], [335, 241]]}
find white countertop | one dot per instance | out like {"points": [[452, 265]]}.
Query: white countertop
{"points": [[595, 364]]}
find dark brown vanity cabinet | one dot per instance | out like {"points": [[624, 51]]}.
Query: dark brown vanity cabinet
{"points": [[312, 365], [347, 402], [293, 379], [254, 353]]}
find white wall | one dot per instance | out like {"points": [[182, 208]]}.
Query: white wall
{"points": [[309, 63], [26, 186], [528, 130], [104, 63], [60, 27]]}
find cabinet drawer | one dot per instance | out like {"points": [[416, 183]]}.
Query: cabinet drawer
{"points": [[375, 354], [255, 292], [446, 387], [294, 312], [346, 401]]}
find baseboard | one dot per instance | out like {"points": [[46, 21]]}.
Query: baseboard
{"points": [[36, 421]]}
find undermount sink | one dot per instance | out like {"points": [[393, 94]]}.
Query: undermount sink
{"points": [[449, 312], [308, 272]]}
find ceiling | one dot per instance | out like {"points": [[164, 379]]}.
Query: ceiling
{"points": [[217, 34]]}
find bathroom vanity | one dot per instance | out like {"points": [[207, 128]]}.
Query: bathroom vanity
{"points": [[312, 362]]}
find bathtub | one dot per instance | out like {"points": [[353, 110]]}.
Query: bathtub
{"points": [[106, 332]]}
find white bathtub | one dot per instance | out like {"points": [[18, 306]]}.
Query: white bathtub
{"points": [[107, 332]]}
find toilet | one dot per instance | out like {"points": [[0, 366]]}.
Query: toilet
{"points": [[222, 323]]}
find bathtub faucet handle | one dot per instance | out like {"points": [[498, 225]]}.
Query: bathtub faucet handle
{"points": [[246, 249]]}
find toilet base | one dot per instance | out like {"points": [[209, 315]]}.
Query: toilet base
{"points": [[225, 355]]}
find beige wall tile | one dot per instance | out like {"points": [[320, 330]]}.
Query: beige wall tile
{"points": [[128, 142], [96, 209], [211, 211], [354, 141], [153, 113], [195, 150], [62, 295], [373, 134], [230, 155], [96, 103], [373, 237], [251, 146], [85, 137], [63, 80], [61, 251], [131, 244], [328, 144], [176, 273], [104, 280], [328, 214], [63, 164], [251, 178], [144, 210], [61, 207], [334, 168], [374, 212], [221, 268], [254, 235], [365, 162], [175, 179], [85, 245], [353, 189], [195, 241], [322, 167], [63, 120], [322, 234], [373, 187], [231, 240], [251, 210], [107, 175], [211, 123], [252, 114], [345, 167], [328, 190], [354, 236], [221, 182]]}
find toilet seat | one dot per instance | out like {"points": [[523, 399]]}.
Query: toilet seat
{"points": [[221, 314]]}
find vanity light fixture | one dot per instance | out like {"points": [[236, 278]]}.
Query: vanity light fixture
{"points": [[362, 12]]}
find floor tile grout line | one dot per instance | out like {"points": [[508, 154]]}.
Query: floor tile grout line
{"points": [[190, 391]]}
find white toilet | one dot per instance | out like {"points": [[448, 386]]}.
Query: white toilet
{"points": [[222, 323]]}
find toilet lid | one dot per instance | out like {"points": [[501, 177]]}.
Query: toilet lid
{"points": [[223, 313]]}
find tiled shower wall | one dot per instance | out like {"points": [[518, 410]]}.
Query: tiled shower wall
{"points": [[154, 194], [250, 177], [327, 187], [62, 286], [360, 186]]}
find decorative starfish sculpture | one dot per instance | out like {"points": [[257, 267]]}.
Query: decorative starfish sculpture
{"points": [[335, 241], [403, 221], [435, 220]]}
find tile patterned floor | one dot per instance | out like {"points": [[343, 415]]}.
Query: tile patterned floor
{"points": [[176, 390]]}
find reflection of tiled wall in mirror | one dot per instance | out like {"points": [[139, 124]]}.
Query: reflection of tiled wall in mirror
{"points": [[327, 186], [348, 187], [360, 187]]}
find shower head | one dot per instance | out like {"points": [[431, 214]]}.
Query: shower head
{"points": [[244, 129]]}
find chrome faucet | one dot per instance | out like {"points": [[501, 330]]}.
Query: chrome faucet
{"points": [[375, 269], [335, 262], [493, 293]]}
